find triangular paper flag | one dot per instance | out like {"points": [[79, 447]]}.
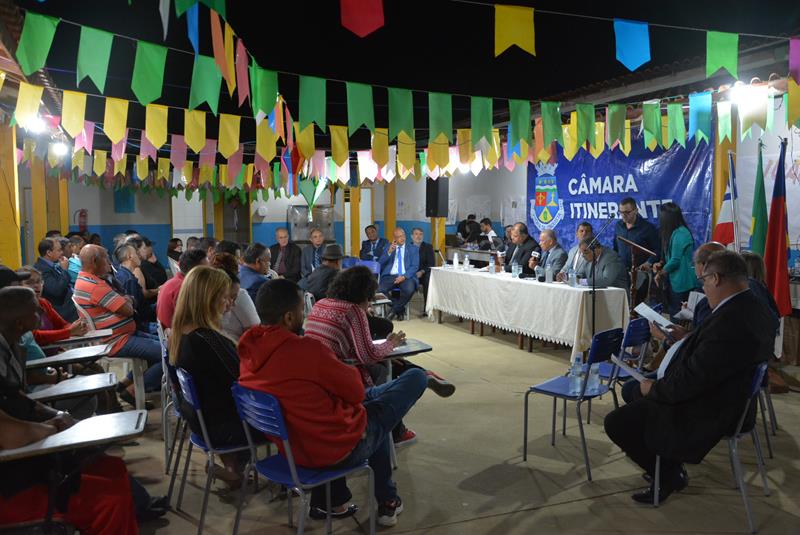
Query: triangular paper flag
{"points": [[35, 41], [73, 110], [194, 129], [155, 124], [305, 140], [401, 112], [230, 76], [633, 43], [359, 107], [265, 141], [513, 25], [339, 144], [722, 52], [148, 72], [115, 119], [362, 17], [243, 82], [380, 146], [206, 80], [28, 99], [228, 134], [312, 101], [94, 52]]}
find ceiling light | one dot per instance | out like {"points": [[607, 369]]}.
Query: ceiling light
{"points": [[60, 149], [36, 125]]}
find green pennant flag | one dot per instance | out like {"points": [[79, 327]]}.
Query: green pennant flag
{"points": [[770, 122], [585, 127], [215, 195], [263, 89], [359, 107], [188, 194], [440, 116], [206, 83], [216, 5], [551, 123], [148, 72], [276, 176], [203, 193], [615, 123], [94, 51], [651, 122], [758, 225], [312, 102], [181, 6], [307, 188], [676, 126], [724, 121], [35, 41], [722, 51], [519, 113], [482, 116], [401, 112]]}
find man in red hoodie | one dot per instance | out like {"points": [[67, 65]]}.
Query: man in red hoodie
{"points": [[332, 421]]}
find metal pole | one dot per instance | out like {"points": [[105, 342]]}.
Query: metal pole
{"points": [[734, 213]]}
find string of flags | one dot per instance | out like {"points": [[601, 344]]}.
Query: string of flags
{"points": [[476, 148]]}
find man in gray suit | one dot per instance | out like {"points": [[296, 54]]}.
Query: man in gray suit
{"points": [[553, 256], [608, 268], [574, 257]]}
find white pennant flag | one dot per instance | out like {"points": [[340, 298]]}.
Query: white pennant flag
{"points": [[163, 9]]}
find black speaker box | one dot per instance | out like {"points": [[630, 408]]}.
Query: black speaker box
{"points": [[436, 194]]}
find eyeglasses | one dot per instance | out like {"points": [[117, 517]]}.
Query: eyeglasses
{"points": [[701, 279], [626, 212]]}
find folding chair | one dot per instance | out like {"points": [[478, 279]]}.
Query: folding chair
{"points": [[350, 261], [374, 266], [166, 395], [309, 301], [637, 336], [262, 412], [189, 393], [765, 405], [604, 344], [733, 451]]}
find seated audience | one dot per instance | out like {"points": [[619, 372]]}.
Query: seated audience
{"points": [[426, 259], [208, 245], [110, 310], [523, 246], [144, 249], [399, 265], [241, 313], [174, 249], [52, 327], [52, 234], [168, 295], [601, 264], [95, 239], [57, 285], [373, 247], [231, 248], [331, 421], [74, 265], [155, 275], [311, 257], [254, 270], [198, 345], [286, 256], [700, 397], [318, 281], [553, 257], [192, 242], [128, 262]]}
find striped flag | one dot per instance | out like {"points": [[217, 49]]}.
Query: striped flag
{"points": [[776, 256], [758, 227], [724, 231]]}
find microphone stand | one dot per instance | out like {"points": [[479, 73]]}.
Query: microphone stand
{"points": [[594, 264]]}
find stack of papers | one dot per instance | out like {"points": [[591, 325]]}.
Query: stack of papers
{"points": [[651, 315]]}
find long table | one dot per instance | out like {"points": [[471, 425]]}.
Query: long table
{"points": [[553, 312]]}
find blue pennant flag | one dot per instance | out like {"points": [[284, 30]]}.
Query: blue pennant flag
{"points": [[191, 27], [700, 115], [633, 43]]}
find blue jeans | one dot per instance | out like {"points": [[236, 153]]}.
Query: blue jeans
{"points": [[406, 291], [144, 346], [386, 405]]}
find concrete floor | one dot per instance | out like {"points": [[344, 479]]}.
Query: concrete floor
{"points": [[466, 475]]}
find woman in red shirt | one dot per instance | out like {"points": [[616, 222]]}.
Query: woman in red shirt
{"points": [[52, 328]]}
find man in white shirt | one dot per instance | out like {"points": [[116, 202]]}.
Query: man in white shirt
{"points": [[486, 228]]}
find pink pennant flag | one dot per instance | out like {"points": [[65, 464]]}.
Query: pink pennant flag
{"points": [[260, 163], [318, 164], [289, 130], [177, 156], [208, 156], [243, 80], [147, 149], [508, 161], [235, 163], [794, 59], [118, 149], [367, 169], [85, 140], [20, 155]]}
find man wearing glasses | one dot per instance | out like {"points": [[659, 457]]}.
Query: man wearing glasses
{"points": [[635, 228]]}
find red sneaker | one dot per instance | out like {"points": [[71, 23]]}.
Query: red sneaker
{"points": [[408, 437], [440, 385]]}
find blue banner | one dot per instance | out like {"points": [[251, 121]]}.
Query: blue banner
{"points": [[563, 194]]}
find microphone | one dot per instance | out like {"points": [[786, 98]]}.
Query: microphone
{"points": [[606, 224], [442, 258]]}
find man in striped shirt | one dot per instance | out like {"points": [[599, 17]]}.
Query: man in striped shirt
{"points": [[110, 310]]}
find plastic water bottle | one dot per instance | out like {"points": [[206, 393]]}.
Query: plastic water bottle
{"points": [[571, 277], [539, 271], [548, 274], [593, 384], [466, 262], [455, 260], [491, 263], [514, 269], [576, 375]]}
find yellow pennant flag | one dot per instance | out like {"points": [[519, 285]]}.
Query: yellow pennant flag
{"points": [[664, 130], [304, 140], [77, 159], [194, 129], [794, 102], [120, 165], [155, 124], [570, 134], [600, 137], [73, 112], [228, 134], [206, 174], [513, 25], [188, 169], [222, 177], [163, 169], [380, 147], [265, 141], [625, 145], [339, 144], [464, 142], [522, 157], [248, 173], [99, 167], [115, 119], [52, 157], [2, 79], [142, 167], [492, 155], [230, 79], [406, 150], [28, 100], [439, 152]]}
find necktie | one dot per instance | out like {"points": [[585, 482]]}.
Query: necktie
{"points": [[316, 257], [401, 269], [544, 258], [372, 249]]}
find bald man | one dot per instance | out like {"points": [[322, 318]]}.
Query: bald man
{"points": [[399, 265]]}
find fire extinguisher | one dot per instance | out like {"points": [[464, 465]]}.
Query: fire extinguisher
{"points": [[82, 216]]}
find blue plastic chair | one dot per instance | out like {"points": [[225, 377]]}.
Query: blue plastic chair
{"points": [[604, 344], [350, 261], [262, 412], [189, 395], [733, 451], [373, 265], [637, 336]]}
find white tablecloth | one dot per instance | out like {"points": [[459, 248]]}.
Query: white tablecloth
{"points": [[553, 312]]}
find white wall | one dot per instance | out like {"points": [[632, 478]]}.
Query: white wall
{"points": [[496, 184], [150, 208]]}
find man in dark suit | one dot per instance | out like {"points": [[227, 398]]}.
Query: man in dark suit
{"points": [[399, 266], [311, 257], [524, 245], [607, 269], [553, 255], [54, 269], [373, 247], [318, 281], [704, 388], [426, 260], [285, 256]]}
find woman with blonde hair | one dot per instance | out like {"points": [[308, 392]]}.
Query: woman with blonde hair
{"points": [[198, 345]]}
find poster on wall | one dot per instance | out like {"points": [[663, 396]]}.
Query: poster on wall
{"points": [[564, 193]]}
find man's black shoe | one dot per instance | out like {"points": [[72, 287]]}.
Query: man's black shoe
{"points": [[682, 483], [318, 513], [646, 496], [390, 316]]}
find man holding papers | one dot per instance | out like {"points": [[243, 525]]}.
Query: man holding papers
{"points": [[683, 414]]}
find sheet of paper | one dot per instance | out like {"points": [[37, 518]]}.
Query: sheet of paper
{"points": [[647, 312], [694, 298], [633, 371], [685, 314]]}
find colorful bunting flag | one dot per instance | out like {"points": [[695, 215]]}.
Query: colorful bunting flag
{"points": [[99, 166], [312, 101], [362, 17], [241, 72], [481, 110], [585, 127], [192, 27], [73, 110], [513, 25], [118, 149], [700, 116], [206, 80], [793, 104], [148, 72], [306, 143], [722, 51], [146, 148], [752, 108], [600, 137], [339, 144], [155, 124], [380, 146], [94, 51], [440, 116], [35, 41], [651, 124], [724, 121], [551, 123], [177, 151], [758, 224], [401, 112], [359, 107], [406, 150], [633, 43], [163, 10], [235, 164], [570, 135], [162, 171], [794, 59], [519, 112], [615, 123], [85, 140], [265, 141], [230, 74], [115, 119], [438, 152], [676, 128], [28, 99], [228, 134], [263, 90]]}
